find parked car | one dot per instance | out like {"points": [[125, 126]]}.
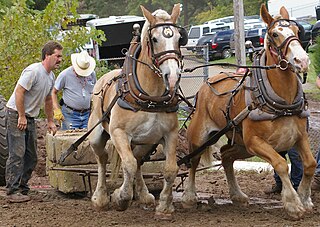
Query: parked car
{"points": [[219, 44], [255, 36], [306, 35]]}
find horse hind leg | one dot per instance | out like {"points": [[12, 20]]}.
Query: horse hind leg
{"points": [[141, 190], [98, 141], [229, 154]]}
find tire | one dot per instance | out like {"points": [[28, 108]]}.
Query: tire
{"points": [[3, 141], [226, 53]]}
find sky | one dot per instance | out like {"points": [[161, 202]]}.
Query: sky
{"points": [[296, 8]]}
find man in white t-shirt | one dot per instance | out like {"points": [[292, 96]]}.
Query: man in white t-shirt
{"points": [[32, 90], [76, 83]]}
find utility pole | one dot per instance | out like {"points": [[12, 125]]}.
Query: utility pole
{"points": [[239, 32]]}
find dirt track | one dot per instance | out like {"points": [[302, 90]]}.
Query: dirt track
{"points": [[50, 208]]}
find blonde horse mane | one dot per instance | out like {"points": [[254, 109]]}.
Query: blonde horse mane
{"points": [[160, 15]]}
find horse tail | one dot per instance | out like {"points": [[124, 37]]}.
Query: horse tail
{"points": [[115, 161]]}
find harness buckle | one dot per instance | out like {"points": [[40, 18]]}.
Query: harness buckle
{"points": [[283, 64]]}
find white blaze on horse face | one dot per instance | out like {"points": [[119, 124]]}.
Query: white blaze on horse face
{"points": [[296, 55], [170, 67]]}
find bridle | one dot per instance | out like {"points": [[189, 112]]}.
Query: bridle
{"points": [[159, 58], [281, 50]]}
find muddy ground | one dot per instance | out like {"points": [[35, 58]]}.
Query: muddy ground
{"points": [[51, 208]]}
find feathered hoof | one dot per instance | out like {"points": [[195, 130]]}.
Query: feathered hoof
{"points": [[121, 204]]}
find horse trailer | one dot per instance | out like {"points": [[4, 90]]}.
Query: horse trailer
{"points": [[118, 32]]}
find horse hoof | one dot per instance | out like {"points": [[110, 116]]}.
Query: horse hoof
{"points": [[296, 214], [120, 204], [163, 216]]}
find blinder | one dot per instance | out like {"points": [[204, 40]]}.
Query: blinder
{"points": [[184, 36]]}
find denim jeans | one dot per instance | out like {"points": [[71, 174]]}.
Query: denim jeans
{"points": [[296, 168], [22, 160], [74, 119], [317, 172]]}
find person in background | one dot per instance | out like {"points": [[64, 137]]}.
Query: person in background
{"points": [[33, 88], [316, 181], [295, 173], [76, 83]]}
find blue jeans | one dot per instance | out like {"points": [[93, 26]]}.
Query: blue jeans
{"points": [[296, 168], [74, 119], [317, 172], [22, 160]]}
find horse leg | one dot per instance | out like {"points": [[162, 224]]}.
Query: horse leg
{"points": [[290, 198], [122, 196], [309, 165], [229, 154], [189, 197], [165, 207], [98, 139], [141, 189]]}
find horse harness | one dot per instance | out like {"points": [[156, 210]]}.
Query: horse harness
{"points": [[129, 93]]}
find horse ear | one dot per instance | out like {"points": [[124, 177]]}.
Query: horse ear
{"points": [[266, 17], [175, 13], [284, 13], [148, 15]]}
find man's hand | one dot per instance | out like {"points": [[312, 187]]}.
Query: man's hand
{"points": [[22, 123], [57, 115], [51, 127]]}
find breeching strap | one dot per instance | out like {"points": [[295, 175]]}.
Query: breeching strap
{"points": [[73, 147]]}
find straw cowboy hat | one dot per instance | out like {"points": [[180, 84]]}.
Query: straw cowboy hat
{"points": [[82, 63]]}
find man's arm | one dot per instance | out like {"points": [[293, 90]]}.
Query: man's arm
{"points": [[55, 99], [48, 109], [19, 97]]}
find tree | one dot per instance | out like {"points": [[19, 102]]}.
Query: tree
{"points": [[24, 31]]}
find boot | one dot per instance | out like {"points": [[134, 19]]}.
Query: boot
{"points": [[276, 189], [316, 183]]}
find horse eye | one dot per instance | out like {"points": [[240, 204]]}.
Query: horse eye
{"points": [[275, 35], [154, 40]]}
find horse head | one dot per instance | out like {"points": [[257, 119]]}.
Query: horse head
{"points": [[161, 39], [282, 41]]}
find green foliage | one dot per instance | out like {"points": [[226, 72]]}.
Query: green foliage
{"points": [[224, 8], [25, 31], [316, 56]]}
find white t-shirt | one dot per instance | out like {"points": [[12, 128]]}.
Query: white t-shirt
{"points": [[38, 84]]}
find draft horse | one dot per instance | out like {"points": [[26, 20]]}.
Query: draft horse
{"points": [[143, 101], [272, 113]]}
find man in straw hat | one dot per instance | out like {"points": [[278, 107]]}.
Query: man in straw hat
{"points": [[77, 82]]}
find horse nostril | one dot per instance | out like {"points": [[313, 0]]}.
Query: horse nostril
{"points": [[297, 61]]}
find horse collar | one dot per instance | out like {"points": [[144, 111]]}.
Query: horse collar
{"points": [[133, 97], [270, 105]]}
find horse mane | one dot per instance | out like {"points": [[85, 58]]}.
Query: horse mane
{"points": [[160, 15]]}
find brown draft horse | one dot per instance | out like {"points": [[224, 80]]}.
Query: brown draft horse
{"points": [[135, 126], [282, 124]]}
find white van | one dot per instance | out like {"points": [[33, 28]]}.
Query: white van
{"points": [[197, 31]]}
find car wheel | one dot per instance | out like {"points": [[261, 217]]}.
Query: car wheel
{"points": [[3, 141], [226, 53]]}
